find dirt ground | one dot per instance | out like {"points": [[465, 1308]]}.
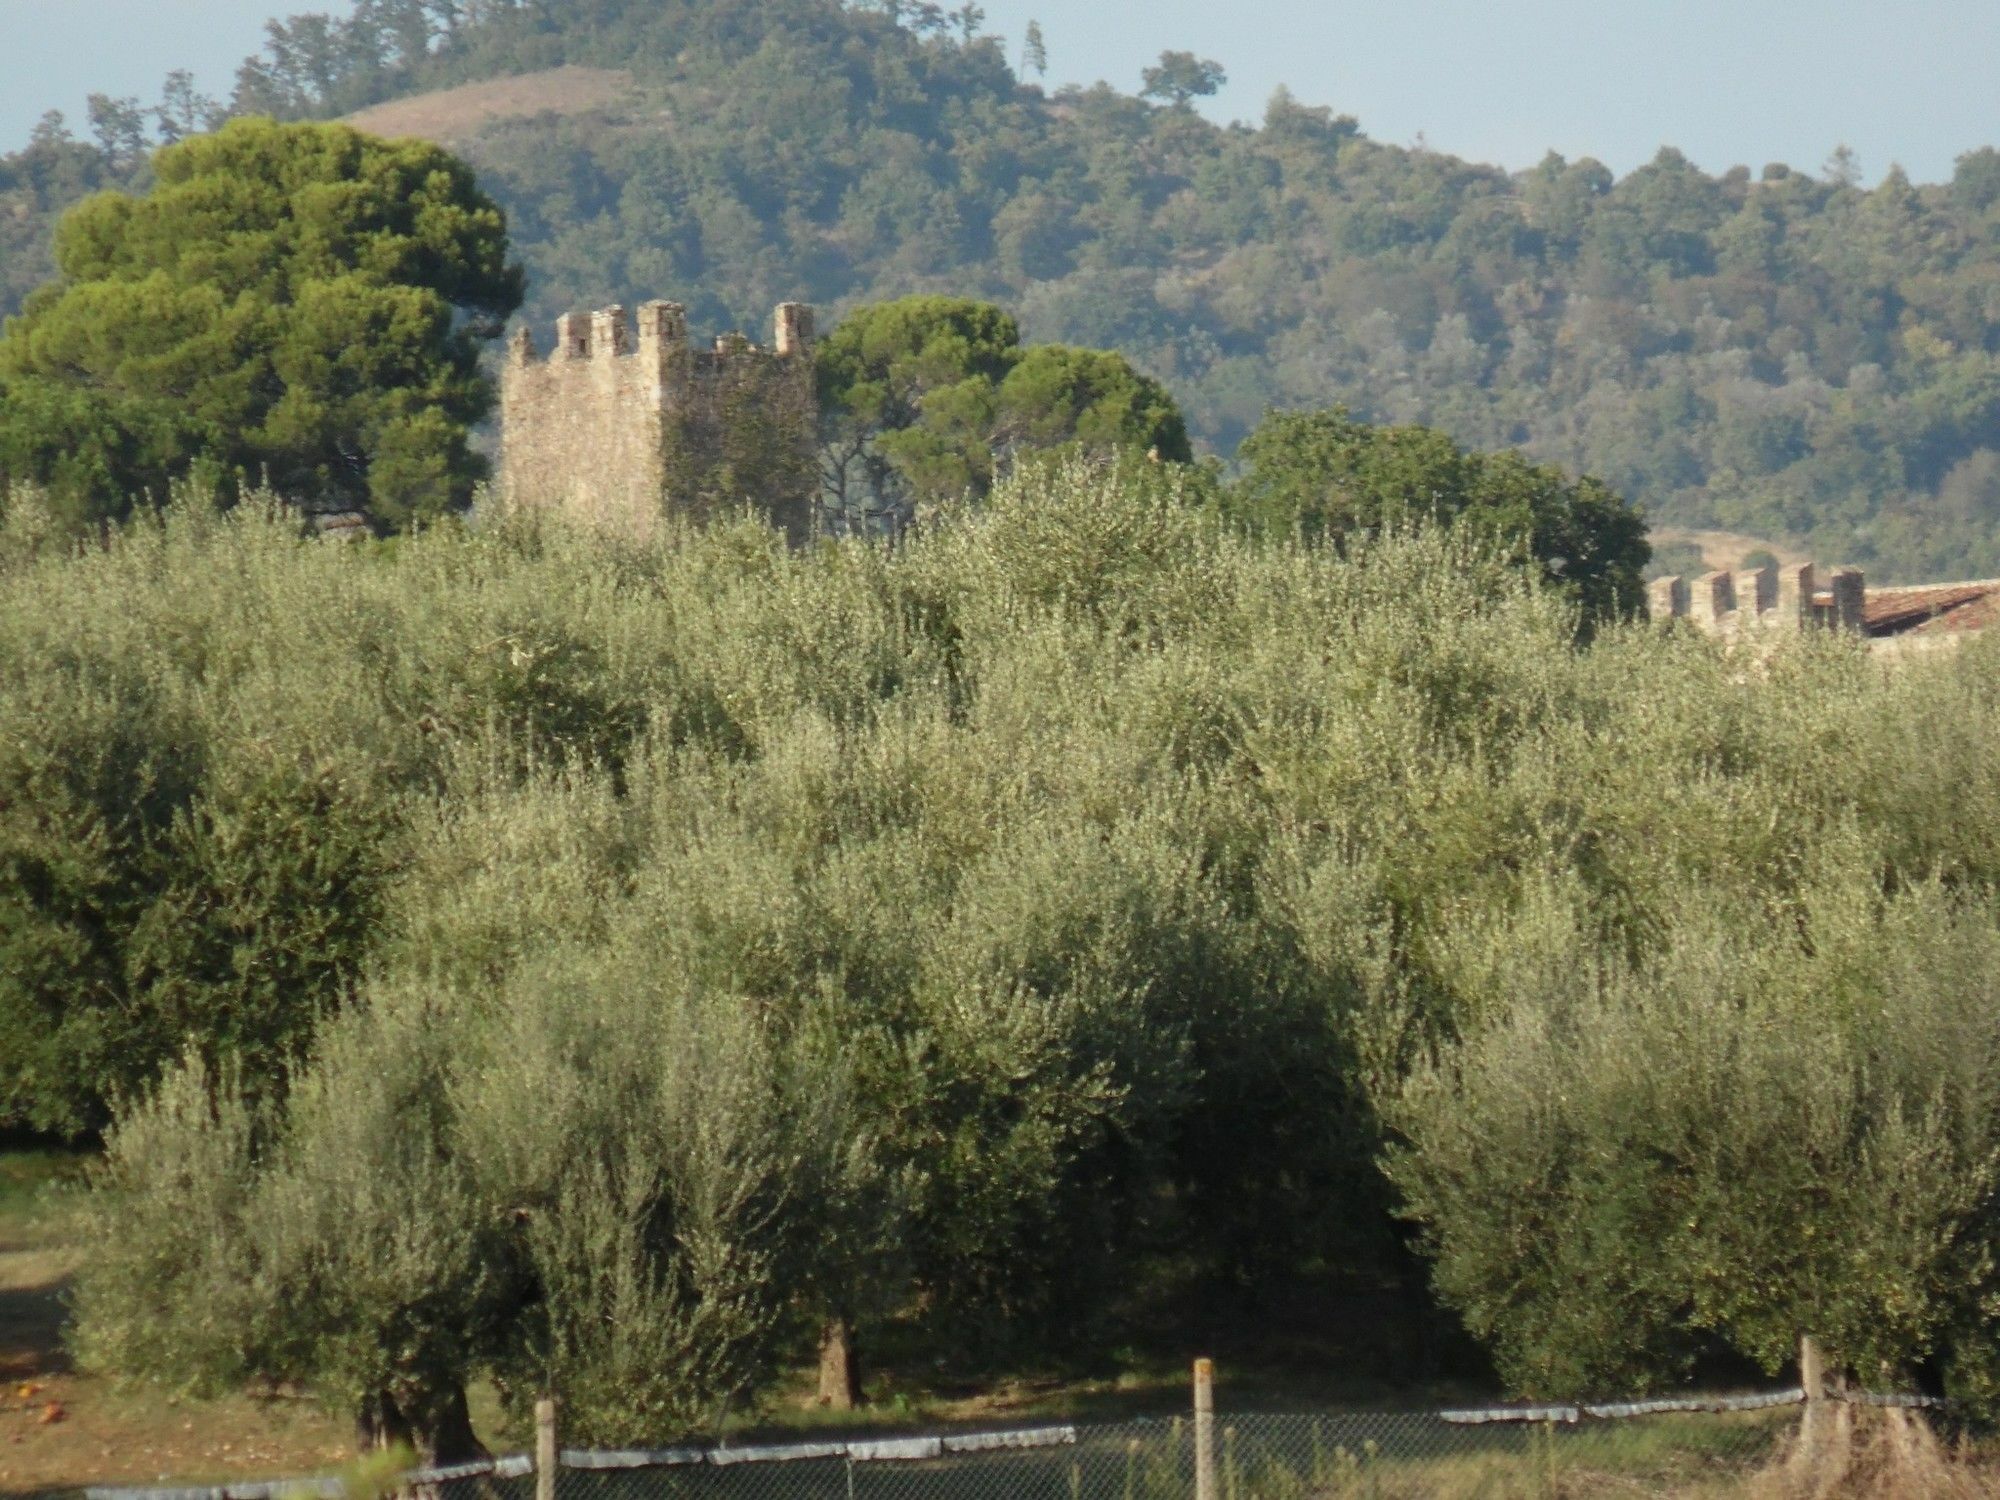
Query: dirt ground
{"points": [[60, 1430], [450, 116]]}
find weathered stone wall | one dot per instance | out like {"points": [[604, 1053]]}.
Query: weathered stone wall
{"points": [[621, 430], [1765, 598]]}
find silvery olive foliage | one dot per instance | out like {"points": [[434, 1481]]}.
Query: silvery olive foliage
{"points": [[754, 937]]}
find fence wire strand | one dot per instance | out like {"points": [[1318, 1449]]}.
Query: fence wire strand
{"points": [[1692, 1447], [1329, 1456]]}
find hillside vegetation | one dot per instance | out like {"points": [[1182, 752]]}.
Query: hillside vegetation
{"points": [[1776, 353]]}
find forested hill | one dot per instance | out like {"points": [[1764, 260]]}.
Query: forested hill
{"points": [[1780, 353]]}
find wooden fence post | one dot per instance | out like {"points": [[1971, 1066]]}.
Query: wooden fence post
{"points": [[1812, 1378], [1204, 1430], [545, 1449]]}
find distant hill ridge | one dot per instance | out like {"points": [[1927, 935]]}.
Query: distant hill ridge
{"points": [[1775, 354]]}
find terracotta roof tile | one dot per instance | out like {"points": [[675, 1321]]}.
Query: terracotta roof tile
{"points": [[1933, 607]]}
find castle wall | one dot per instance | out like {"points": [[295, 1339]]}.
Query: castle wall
{"points": [[620, 427], [1761, 599], [580, 431]]}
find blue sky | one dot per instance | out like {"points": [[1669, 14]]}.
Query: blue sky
{"points": [[1727, 81]]}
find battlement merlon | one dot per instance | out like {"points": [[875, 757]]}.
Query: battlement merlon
{"points": [[606, 333], [1712, 596], [1796, 587], [662, 325], [793, 329], [1850, 597], [609, 334]]}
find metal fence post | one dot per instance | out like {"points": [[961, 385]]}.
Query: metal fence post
{"points": [[1204, 1430], [545, 1449]]}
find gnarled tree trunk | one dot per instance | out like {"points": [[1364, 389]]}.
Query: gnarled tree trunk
{"points": [[839, 1365], [434, 1425]]}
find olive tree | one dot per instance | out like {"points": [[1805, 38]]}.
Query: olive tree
{"points": [[600, 1182], [1779, 1123]]}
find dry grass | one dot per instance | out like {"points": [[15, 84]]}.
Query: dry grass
{"points": [[1725, 550], [452, 116], [1871, 1453]]}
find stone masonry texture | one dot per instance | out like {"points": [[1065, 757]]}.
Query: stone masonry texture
{"points": [[623, 426]]}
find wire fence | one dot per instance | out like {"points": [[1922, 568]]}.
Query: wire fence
{"points": [[1706, 1447], [1667, 1449], [1332, 1456]]}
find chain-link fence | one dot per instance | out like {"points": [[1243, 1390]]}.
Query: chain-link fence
{"points": [[1713, 1448], [1330, 1456]]}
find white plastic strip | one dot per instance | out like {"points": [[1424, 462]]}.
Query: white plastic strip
{"points": [[510, 1467], [1023, 1437], [1758, 1402], [630, 1458], [896, 1450], [1512, 1414], [1755, 1401], [1889, 1398], [776, 1453]]}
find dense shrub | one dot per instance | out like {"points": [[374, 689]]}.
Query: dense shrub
{"points": [[757, 941]]}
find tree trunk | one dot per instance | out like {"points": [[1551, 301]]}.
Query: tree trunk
{"points": [[839, 1366], [379, 1425], [434, 1425]]}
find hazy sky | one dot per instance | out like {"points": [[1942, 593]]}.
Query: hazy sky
{"points": [[1751, 81]]}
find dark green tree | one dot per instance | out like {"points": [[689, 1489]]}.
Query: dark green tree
{"points": [[1329, 475], [301, 302], [922, 397], [1055, 394], [1181, 77]]}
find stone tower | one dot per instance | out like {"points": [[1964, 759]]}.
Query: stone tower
{"points": [[622, 430]]}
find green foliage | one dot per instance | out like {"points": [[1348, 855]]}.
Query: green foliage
{"points": [[1766, 353], [296, 303], [923, 398], [755, 937], [1767, 1126], [1329, 475], [1180, 78], [208, 779]]}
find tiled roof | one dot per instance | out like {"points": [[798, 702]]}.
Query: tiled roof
{"points": [[1932, 608]]}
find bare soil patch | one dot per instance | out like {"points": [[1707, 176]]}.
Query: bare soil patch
{"points": [[60, 1429], [450, 116]]}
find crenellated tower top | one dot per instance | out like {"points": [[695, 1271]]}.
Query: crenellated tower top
{"points": [[608, 334]]}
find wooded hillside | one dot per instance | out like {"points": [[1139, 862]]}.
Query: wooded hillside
{"points": [[1776, 352]]}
